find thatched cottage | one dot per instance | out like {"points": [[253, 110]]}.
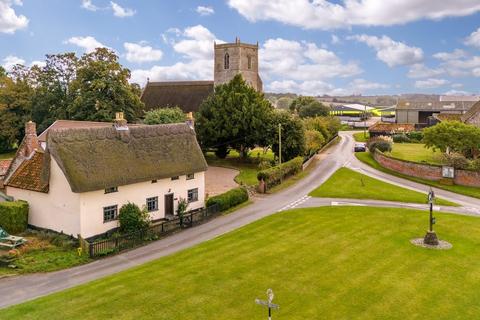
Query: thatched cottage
{"points": [[77, 176]]}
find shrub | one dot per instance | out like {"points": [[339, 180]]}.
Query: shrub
{"points": [[400, 138], [165, 115], [456, 160], [474, 165], [314, 141], [182, 208], [275, 175], [382, 143], [229, 199], [416, 136], [14, 216], [264, 165], [133, 219]]}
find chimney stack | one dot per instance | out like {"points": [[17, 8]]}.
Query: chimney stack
{"points": [[31, 139], [190, 121], [120, 123]]}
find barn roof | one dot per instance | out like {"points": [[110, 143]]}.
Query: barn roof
{"points": [[472, 112]]}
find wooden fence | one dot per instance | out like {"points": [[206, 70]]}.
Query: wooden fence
{"points": [[117, 243]]}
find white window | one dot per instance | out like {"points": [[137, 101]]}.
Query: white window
{"points": [[193, 195], [110, 213], [111, 189], [152, 204]]}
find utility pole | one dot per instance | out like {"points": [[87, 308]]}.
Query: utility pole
{"points": [[279, 143], [365, 124]]}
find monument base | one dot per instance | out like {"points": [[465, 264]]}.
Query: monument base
{"points": [[431, 238]]}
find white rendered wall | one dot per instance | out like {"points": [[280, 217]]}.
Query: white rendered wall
{"points": [[56, 210]]}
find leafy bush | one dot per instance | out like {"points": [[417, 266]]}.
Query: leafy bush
{"points": [[327, 126], [401, 138], [133, 219], [382, 143], [314, 141], [474, 165], [314, 109], [165, 115], [264, 165], [229, 199], [416, 136], [275, 175], [456, 160], [182, 208], [14, 216]]}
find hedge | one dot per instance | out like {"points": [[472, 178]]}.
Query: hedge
{"points": [[14, 216], [229, 199], [275, 175]]}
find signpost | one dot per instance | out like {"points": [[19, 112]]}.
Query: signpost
{"points": [[268, 303], [431, 236]]}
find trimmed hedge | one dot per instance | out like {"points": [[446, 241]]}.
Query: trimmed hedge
{"points": [[229, 199], [14, 216], [274, 176]]}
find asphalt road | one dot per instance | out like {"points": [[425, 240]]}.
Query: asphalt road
{"points": [[14, 290]]}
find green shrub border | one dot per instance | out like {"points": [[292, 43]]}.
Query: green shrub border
{"points": [[14, 216], [274, 176], [229, 199]]}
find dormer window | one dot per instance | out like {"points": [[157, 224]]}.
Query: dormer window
{"points": [[226, 64], [111, 190]]}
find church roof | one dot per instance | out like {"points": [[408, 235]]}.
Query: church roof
{"points": [[188, 95]]}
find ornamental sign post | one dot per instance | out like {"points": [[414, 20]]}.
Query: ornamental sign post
{"points": [[431, 236], [268, 303]]}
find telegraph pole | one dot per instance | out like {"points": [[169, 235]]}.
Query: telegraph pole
{"points": [[279, 143]]}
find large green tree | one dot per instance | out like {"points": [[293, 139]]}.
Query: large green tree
{"points": [[314, 109], [234, 116], [453, 136], [101, 88], [292, 134]]}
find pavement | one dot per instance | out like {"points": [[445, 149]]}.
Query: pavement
{"points": [[18, 289]]}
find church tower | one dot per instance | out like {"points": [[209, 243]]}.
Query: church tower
{"points": [[234, 58]]}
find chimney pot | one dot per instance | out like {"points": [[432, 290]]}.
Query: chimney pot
{"points": [[30, 128], [120, 123]]}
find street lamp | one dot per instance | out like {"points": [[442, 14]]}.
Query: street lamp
{"points": [[431, 237]]}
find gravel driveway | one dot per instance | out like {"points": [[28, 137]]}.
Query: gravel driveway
{"points": [[219, 180]]}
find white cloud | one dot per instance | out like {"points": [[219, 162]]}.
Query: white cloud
{"points": [[88, 5], [121, 12], [9, 20], [310, 88], [457, 93], [419, 70], [335, 39], [430, 83], [10, 61], [362, 85], [139, 53], [458, 63], [88, 43], [195, 44], [455, 54], [393, 53], [457, 85], [473, 39], [205, 11], [323, 14], [282, 59], [38, 63]]}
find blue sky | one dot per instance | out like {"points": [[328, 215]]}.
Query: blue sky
{"points": [[309, 47]]}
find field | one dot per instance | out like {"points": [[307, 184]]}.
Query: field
{"points": [[322, 263], [346, 183], [366, 157], [415, 152]]}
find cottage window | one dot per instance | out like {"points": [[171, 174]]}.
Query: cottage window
{"points": [[249, 62], [152, 204], [226, 64], [190, 176], [110, 213], [111, 189], [154, 181], [175, 178], [193, 195]]}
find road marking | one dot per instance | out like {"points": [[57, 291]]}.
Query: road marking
{"points": [[295, 203], [335, 203]]}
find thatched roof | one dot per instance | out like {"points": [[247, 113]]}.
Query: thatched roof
{"points": [[188, 95], [98, 158]]}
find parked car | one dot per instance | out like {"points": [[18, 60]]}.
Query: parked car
{"points": [[360, 147]]}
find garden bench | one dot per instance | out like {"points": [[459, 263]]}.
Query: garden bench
{"points": [[10, 242]]}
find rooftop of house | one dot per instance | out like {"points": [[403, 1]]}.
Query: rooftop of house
{"points": [[391, 127], [448, 116], [187, 95], [475, 110], [32, 173], [4, 164], [458, 106]]}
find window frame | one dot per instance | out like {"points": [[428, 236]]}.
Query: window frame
{"points": [[111, 190], [114, 208], [148, 202], [190, 176], [175, 178], [249, 62], [226, 61], [194, 197]]}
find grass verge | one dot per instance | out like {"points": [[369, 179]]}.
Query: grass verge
{"points": [[349, 184], [361, 137], [416, 152], [329, 263], [368, 159]]}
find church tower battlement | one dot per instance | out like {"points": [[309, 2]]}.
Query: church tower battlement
{"points": [[234, 58]]}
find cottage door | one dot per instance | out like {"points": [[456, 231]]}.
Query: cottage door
{"points": [[169, 204]]}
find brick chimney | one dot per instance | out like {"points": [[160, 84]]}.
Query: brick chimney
{"points": [[120, 123], [31, 139]]}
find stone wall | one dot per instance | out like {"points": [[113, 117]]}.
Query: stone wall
{"points": [[425, 171]]}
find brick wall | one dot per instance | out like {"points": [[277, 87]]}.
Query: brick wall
{"points": [[425, 171]]}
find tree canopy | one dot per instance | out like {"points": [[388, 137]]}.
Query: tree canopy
{"points": [[293, 135], [164, 115], [453, 136]]}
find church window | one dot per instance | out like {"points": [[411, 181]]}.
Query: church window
{"points": [[249, 62], [227, 61]]}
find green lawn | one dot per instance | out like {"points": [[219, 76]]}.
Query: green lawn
{"points": [[9, 155], [367, 158], [322, 263], [361, 136], [415, 152], [346, 183]]}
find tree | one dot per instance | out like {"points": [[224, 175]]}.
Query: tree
{"points": [[327, 126], [293, 135], [133, 219], [314, 109], [234, 116], [453, 136], [284, 103], [314, 140], [300, 102], [102, 88], [164, 115]]}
